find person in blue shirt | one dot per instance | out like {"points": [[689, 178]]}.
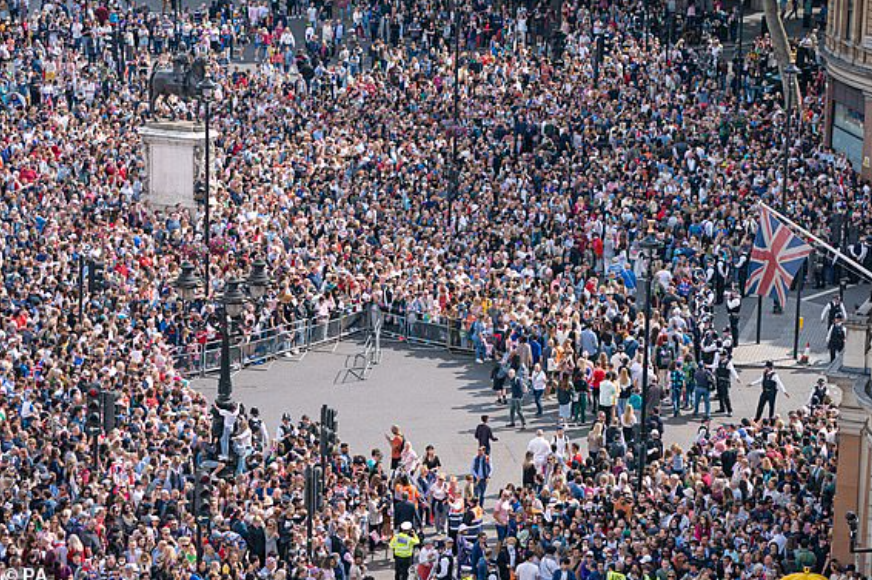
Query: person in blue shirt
{"points": [[481, 567], [481, 470], [564, 572]]}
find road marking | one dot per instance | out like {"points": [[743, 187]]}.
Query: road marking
{"points": [[826, 292]]}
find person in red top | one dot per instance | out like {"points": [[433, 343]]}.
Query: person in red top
{"points": [[397, 441], [599, 374]]}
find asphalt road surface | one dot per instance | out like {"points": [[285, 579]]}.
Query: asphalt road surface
{"points": [[436, 398]]}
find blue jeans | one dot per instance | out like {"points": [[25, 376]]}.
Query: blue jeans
{"points": [[480, 348], [676, 401], [225, 440], [537, 398], [515, 409], [480, 491], [688, 393], [440, 515], [702, 394], [242, 453]]}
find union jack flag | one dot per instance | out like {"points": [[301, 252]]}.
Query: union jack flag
{"points": [[776, 257]]}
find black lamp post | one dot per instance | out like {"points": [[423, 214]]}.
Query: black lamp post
{"points": [[599, 36], [790, 72], [668, 25], [187, 282], [232, 302], [207, 91], [455, 128], [645, 23], [740, 58], [650, 246]]}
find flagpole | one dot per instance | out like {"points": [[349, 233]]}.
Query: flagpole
{"points": [[857, 267], [759, 316], [799, 284]]}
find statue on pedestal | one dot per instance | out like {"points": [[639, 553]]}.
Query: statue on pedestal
{"points": [[182, 80]]}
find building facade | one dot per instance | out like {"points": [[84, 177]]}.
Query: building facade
{"points": [[854, 471], [847, 51]]}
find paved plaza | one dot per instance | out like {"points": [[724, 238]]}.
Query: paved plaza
{"points": [[436, 398]]}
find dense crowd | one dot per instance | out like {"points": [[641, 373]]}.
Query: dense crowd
{"points": [[333, 162], [746, 500]]}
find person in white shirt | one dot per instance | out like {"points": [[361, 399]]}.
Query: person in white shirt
{"points": [[229, 416], [426, 560], [608, 395], [541, 449], [549, 564], [242, 444], [539, 380], [445, 563], [771, 386], [560, 443], [528, 569], [834, 308]]}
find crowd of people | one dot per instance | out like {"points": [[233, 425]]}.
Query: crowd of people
{"points": [[334, 161], [745, 500]]}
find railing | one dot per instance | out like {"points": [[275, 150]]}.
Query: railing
{"points": [[298, 337], [448, 333], [305, 335], [359, 364]]}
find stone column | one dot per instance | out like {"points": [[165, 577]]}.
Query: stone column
{"points": [[849, 483], [174, 153], [866, 165], [829, 112], [856, 356]]}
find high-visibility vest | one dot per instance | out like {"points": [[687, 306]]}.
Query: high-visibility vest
{"points": [[612, 575], [403, 545]]}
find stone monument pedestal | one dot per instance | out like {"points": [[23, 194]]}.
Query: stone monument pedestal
{"points": [[174, 161]]}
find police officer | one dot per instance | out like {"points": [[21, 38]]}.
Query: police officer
{"points": [[741, 267], [819, 268], [403, 547], [287, 521], [445, 561], [284, 434], [734, 305], [259, 434], [724, 373], [722, 275], [857, 251], [771, 383], [709, 347], [834, 308], [819, 394], [836, 338]]}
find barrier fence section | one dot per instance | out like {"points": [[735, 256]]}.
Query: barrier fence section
{"points": [[305, 335], [448, 332], [256, 348]]}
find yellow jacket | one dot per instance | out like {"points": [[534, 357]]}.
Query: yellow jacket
{"points": [[403, 545]]}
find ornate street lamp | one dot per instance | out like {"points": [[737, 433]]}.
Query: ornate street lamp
{"points": [[187, 282], [650, 247], [790, 73], [206, 88]]}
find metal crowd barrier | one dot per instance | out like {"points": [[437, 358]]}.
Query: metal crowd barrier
{"points": [[360, 364], [305, 335], [255, 349], [448, 333]]}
